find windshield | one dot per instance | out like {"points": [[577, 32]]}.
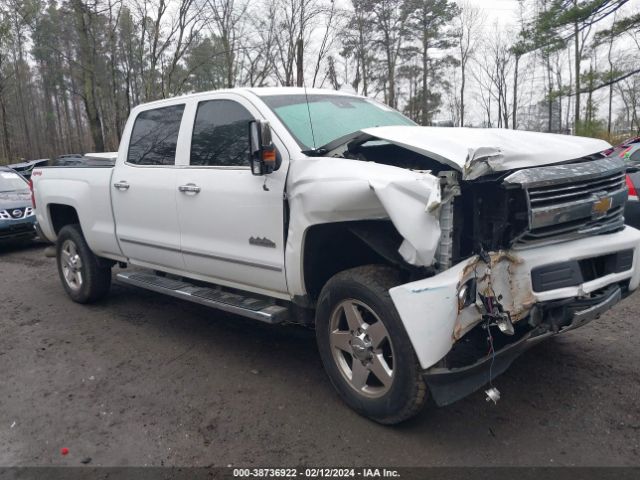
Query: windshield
{"points": [[10, 181], [332, 116]]}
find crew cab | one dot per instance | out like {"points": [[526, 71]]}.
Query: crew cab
{"points": [[427, 259]]}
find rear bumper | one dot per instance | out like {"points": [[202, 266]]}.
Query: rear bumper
{"points": [[434, 322], [448, 385]]}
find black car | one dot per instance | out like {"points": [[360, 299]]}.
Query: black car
{"points": [[68, 160], [25, 168], [17, 216]]}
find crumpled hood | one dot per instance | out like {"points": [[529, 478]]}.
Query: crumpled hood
{"points": [[15, 199], [479, 151]]}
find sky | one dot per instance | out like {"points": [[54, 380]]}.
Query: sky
{"points": [[506, 14], [504, 11]]}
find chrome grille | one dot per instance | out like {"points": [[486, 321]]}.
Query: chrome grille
{"points": [[571, 201], [570, 192]]}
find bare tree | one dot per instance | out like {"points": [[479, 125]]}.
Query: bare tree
{"points": [[467, 28], [88, 56], [328, 37], [358, 40], [228, 19], [494, 71], [389, 19]]}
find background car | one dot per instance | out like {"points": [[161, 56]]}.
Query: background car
{"points": [[632, 210], [17, 218], [25, 168], [630, 151]]}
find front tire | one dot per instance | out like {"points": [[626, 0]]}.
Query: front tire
{"points": [[83, 277], [364, 347]]}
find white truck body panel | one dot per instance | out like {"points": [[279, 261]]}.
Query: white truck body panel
{"points": [[88, 190], [326, 190], [146, 211]]}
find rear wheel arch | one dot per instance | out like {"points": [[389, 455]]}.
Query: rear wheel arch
{"points": [[61, 215]]}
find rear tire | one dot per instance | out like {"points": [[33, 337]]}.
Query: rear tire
{"points": [[364, 347], [83, 277]]}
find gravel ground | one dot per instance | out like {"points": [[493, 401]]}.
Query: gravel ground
{"points": [[141, 379]]}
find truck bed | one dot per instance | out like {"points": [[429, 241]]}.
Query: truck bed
{"points": [[87, 188]]}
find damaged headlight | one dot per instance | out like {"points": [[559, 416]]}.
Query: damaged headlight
{"points": [[467, 294]]}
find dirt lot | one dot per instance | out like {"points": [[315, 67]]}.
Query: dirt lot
{"points": [[141, 379]]}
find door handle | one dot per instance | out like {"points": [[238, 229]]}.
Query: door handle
{"points": [[121, 185], [189, 188]]}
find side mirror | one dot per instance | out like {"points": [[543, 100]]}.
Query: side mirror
{"points": [[263, 157]]}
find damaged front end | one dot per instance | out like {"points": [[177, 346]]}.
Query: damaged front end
{"points": [[521, 258], [497, 253]]}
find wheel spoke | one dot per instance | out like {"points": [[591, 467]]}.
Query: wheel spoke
{"points": [[71, 277], [340, 340], [354, 318], [71, 265], [359, 374], [362, 350], [377, 333], [380, 369]]}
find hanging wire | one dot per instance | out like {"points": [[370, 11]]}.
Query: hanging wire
{"points": [[313, 137]]}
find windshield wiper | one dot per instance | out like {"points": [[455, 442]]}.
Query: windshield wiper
{"points": [[316, 152], [333, 144]]}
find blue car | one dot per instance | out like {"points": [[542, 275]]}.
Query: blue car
{"points": [[17, 216]]}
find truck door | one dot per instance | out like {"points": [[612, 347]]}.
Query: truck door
{"points": [[231, 222], [144, 190]]}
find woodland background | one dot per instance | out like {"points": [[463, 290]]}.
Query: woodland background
{"points": [[71, 70]]}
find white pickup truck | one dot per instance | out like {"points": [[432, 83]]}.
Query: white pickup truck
{"points": [[427, 259]]}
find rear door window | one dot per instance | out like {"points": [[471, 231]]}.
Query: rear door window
{"points": [[155, 135], [221, 134]]}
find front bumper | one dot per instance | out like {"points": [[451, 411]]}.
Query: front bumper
{"points": [[22, 229], [429, 307], [448, 385]]}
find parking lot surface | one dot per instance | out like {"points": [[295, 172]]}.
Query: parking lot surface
{"points": [[142, 379]]}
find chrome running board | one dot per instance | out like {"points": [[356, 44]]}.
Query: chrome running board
{"points": [[251, 307]]}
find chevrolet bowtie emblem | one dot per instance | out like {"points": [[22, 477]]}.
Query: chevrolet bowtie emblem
{"points": [[601, 207]]}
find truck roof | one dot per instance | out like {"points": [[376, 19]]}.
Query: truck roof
{"points": [[257, 91]]}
